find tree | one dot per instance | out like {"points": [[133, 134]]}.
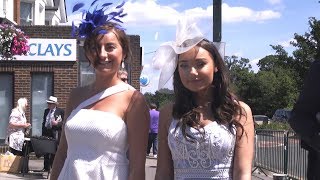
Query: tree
{"points": [[240, 74], [271, 90], [308, 49], [160, 98]]}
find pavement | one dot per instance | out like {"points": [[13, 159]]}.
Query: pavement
{"points": [[35, 165]]}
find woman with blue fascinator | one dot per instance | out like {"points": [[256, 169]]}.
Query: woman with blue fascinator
{"points": [[206, 133], [106, 133]]}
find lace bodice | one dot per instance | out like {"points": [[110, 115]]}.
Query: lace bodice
{"points": [[97, 143], [210, 157]]}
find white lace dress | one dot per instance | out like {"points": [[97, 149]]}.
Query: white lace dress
{"points": [[97, 142], [210, 157]]}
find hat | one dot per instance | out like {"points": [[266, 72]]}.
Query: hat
{"points": [[52, 100]]}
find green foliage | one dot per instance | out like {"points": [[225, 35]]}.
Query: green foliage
{"points": [[280, 78], [308, 49], [276, 125], [160, 98]]}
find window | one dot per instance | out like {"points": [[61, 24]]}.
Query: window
{"points": [[26, 11], [41, 88], [86, 71], [3, 10], [6, 102]]}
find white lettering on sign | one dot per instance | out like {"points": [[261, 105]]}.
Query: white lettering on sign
{"points": [[51, 50]]}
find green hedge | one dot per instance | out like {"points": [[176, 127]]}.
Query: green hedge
{"points": [[275, 125]]}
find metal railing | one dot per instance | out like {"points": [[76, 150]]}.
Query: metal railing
{"points": [[280, 152]]}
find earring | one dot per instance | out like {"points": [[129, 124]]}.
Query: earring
{"points": [[122, 64]]}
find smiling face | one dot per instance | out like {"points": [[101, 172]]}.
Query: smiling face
{"points": [[196, 69], [105, 53]]}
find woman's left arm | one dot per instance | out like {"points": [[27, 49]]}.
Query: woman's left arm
{"points": [[138, 120], [244, 149]]}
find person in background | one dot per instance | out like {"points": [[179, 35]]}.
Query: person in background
{"points": [[105, 135], [17, 126], [153, 130], [305, 119], [206, 133], [123, 75], [51, 126]]}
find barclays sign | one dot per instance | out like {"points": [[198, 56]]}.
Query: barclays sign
{"points": [[51, 50]]}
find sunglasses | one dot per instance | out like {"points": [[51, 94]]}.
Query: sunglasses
{"points": [[124, 79]]}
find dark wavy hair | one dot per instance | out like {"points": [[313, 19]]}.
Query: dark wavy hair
{"points": [[224, 105], [97, 34]]}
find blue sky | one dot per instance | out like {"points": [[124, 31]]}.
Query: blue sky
{"points": [[248, 26]]}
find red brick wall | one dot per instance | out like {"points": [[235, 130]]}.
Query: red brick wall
{"points": [[135, 63]]}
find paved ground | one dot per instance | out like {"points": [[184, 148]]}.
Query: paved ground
{"points": [[151, 165]]}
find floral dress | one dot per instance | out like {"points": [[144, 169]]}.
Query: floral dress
{"points": [[15, 136]]}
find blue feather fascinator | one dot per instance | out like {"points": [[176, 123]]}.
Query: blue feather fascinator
{"points": [[96, 16]]}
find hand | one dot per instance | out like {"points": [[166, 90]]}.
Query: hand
{"points": [[27, 125], [54, 122]]}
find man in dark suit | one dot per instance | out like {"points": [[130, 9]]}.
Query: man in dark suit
{"points": [[305, 119], [51, 126]]}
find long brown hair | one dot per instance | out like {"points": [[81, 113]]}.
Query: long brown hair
{"points": [[224, 105]]}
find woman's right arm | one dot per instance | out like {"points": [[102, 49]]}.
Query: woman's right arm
{"points": [[61, 153], [164, 164]]}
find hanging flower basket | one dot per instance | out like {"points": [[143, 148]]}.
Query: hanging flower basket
{"points": [[13, 41]]}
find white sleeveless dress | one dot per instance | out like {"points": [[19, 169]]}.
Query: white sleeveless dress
{"points": [[97, 142], [210, 157]]}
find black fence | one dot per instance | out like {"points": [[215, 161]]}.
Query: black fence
{"points": [[280, 152]]}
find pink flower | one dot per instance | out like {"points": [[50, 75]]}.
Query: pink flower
{"points": [[13, 41]]}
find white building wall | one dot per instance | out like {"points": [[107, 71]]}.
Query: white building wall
{"points": [[6, 9], [38, 11]]}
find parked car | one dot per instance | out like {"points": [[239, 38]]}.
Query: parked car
{"points": [[260, 119], [281, 115]]}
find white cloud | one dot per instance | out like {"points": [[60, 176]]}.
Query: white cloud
{"points": [[286, 44], [238, 54], [254, 65], [174, 5], [242, 14], [149, 13], [273, 2]]}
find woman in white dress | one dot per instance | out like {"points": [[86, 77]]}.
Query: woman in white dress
{"points": [[105, 135], [17, 126], [206, 133]]}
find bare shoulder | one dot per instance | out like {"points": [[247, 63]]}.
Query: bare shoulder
{"points": [[136, 95], [245, 106], [246, 113], [136, 99]]}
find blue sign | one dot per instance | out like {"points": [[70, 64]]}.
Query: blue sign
{"points": [[144, 80], [51, 50]]}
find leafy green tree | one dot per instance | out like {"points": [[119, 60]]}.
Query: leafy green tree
{"points": [[271, 90], [160, 98], [308, 49]]}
